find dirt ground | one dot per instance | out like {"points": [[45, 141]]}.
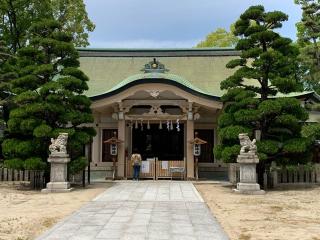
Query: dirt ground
{"points": [[286, 214], [26, 214]]}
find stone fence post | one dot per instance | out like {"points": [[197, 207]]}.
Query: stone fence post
{"points": [[232, 172]]}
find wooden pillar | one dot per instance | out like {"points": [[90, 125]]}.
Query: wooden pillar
{"points": [[96, 141], [190, 137], [121, 146], [128, 148]]}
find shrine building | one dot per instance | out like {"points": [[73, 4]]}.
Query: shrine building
{"points": [[155, 100]]}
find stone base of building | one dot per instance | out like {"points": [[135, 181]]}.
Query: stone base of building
{"points": [[57, 187], [249, 188]]}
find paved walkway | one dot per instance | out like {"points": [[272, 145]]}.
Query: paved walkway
{"points": [[142, 210]]}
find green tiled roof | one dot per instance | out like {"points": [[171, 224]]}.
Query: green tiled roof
{"points": [[200, 70], [293, 94], [215, 49], [201, 73]]}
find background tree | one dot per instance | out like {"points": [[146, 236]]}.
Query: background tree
{"points": [[73, 16], [49, 98], [18, 15], [267, 66], [219, 38], [308, 40]]}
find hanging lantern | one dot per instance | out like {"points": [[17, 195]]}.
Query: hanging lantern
{"points": [[160, 125], [196, 150], [114, 142], [197, 142], [113, 149], [136, 125]]}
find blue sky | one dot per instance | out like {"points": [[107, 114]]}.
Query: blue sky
{"points": [[172, 23]]}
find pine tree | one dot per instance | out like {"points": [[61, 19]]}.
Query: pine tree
{"points": [[49, 98], [267, 66], [7, 73]]}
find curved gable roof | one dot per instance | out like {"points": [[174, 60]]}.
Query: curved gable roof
{"points": [[164, 78]]}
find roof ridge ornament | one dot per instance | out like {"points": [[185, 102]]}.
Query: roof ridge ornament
{"points": [[154, 67]]}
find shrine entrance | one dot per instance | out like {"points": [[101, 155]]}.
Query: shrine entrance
{"points": [[155, 113], [161, 146], [159, 142]]}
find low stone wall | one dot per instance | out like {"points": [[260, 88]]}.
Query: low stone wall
{"points": [[14, 175], [77, 179], [36, 178], [303, 176], [277, 177]]}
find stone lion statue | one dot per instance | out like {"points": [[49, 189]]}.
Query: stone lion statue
{"points": [[59, 145], [247, 146]]}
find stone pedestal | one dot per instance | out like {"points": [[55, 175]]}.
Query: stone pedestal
{"points": [[248, 177], [58, 174]]}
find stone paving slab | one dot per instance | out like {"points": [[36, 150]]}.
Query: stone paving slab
{"points": [[151, 191], [142, 211]]}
